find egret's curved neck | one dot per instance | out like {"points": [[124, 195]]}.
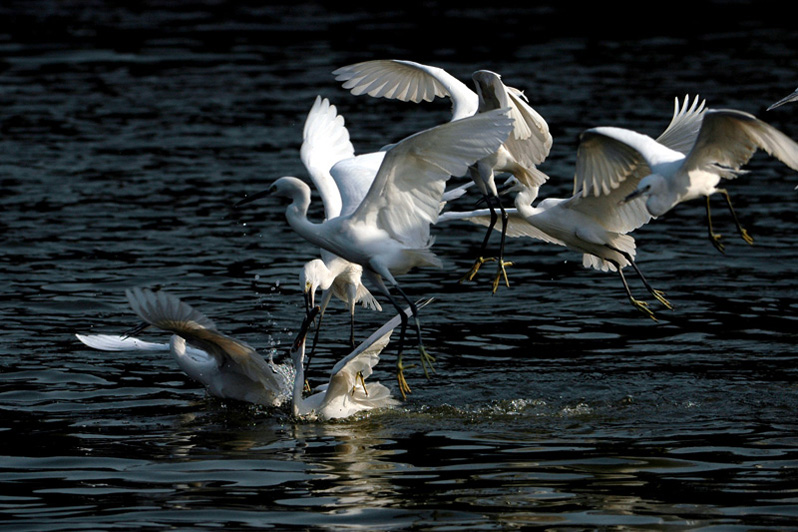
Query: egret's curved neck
{"points": [[297, 216], [524, 199]]}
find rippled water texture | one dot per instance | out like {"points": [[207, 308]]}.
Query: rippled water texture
{"points": [[128, 133]]}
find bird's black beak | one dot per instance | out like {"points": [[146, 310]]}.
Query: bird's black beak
{"points": [[303, 329], [135, 330], [636, 194], [254, 197], [791, 98]]}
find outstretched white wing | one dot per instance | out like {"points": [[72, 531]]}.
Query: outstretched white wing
{"points": [[409, 82], [169, 313], [607, 156], [407, 191], [729, 138], [517, 226], [108, 342], [325, 141]]}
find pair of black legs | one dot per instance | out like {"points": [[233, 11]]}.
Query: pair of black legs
{"points": [[501, 272]]}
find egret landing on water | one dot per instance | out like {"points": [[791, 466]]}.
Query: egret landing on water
{"points": [[231, 369], [665, 177], [595, 225], [387, 231], [526, 147]]}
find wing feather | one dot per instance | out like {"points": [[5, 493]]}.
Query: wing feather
{"points": [[729, 139], [409, 82], [406, 194]]}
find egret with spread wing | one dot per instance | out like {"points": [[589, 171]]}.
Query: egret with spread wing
{"points": [[525, 148], [387, 230], [595, 225], [665, 177], [231, 369]]}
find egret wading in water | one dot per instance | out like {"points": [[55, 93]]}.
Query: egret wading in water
{"points": [[526, 147], [231, 369], [594, 225], [787, 99], [665, 177], [387, 231]]}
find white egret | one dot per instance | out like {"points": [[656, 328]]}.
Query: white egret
{"points": [[527, 146], [325, 142], [387, 230], [664, 177], [231, 369], [787, 99], [595, 225]]}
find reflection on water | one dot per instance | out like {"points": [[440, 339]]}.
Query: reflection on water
{"points": [[127, 134]]}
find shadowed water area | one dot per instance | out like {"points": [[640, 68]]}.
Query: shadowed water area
{"points": [[127, 133]]}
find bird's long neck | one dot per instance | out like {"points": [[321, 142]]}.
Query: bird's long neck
{"points": [[297, 216], [524, 199]]}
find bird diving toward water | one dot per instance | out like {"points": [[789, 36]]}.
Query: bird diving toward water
{"points": [[387, 229], [526, 147], [595, 225], [665, 177], [231, 369], [787, 99]]}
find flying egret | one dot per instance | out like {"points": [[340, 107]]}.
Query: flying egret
{"points": [[787, 99], [595, 225], [527, 146], [325, 142], [664, 177], [387, 230], [231, 369]]}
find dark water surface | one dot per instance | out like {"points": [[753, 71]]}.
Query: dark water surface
{"points": [[128, 132]]}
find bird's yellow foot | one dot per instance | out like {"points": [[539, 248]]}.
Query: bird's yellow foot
{"points": [[715, 239], [748, 239], [660, 296], [475, 268], [426, 360], [307, 386], [359, 378], [501, 273], [404, 389], [642, 306]]}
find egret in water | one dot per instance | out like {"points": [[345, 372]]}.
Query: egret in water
{"points": [[595, 225], [387, 230], [525, 148], [787, 99], [665, 177], [231, 369]]}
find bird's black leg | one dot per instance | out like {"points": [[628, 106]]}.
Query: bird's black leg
{"points": [[501, 271], [426, 358], [743, 233], [713, 236], [481, 258], [659, 295]]}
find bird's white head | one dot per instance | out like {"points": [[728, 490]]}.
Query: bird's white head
{"points": [[653, 189], [314, 275]]}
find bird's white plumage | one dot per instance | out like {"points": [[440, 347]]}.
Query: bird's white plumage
{"points": [[325, 143], [227, 367], [726, 140], [408, 81], [608, 156]]}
